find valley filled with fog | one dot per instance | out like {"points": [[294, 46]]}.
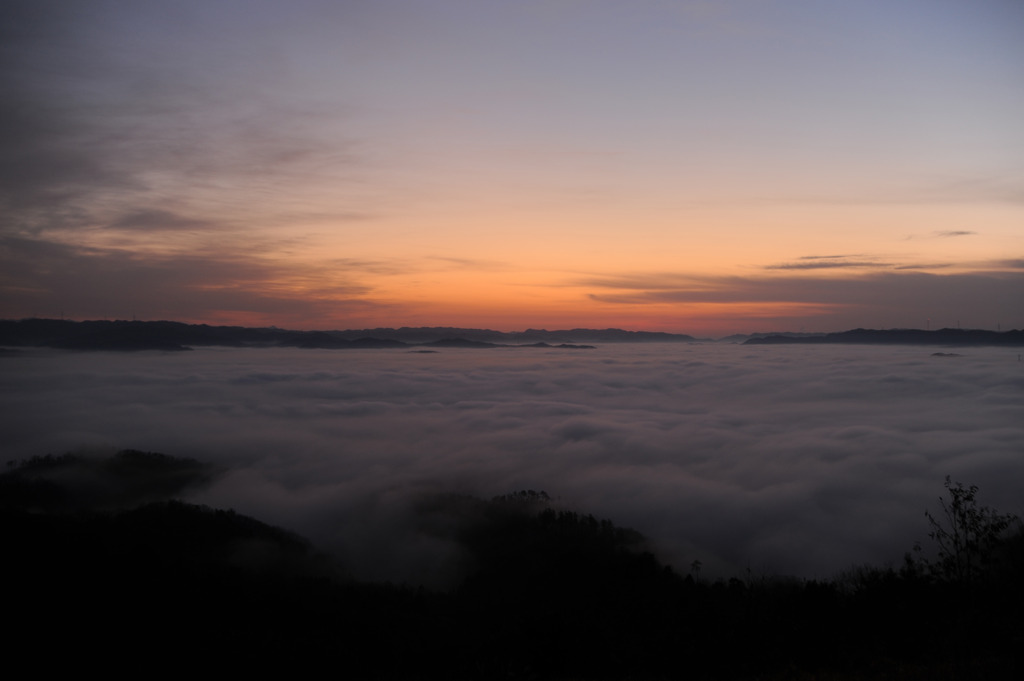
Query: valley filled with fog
{"points": [[802, 460]]}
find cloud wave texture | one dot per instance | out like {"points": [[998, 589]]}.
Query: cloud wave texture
{"points": [[802, 460]]}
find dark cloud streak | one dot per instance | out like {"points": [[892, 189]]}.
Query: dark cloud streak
{"points": [[979, 298], [101, 283], [861, 289]]}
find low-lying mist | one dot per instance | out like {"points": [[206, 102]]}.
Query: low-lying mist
{"points": [[784, 459]]}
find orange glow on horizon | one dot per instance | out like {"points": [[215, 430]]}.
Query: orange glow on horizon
{"points": [[712, 319]]}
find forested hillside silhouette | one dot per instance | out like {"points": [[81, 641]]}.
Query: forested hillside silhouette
{"points": [[100, 562]]}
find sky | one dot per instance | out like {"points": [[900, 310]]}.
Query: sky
{"points": [[780, 460], [689, 166]]}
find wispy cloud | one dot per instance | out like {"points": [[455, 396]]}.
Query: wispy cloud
{"points": [[943, 234], [95, 138], [827, 264], [925, 267], [468, 263], [381, 266], [828, 257]]}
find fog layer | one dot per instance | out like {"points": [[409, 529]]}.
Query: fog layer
{"points": [[797, 460]]}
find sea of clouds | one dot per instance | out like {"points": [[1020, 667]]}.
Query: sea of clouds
{"points": [[802, 460]]}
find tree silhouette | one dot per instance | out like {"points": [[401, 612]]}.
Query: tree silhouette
{"points": [[966, 534]]}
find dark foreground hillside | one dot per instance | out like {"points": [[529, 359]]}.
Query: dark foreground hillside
{"points": [[101, 569]]}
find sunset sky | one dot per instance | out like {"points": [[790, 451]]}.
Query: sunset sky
{"points": [[691, 166]]}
